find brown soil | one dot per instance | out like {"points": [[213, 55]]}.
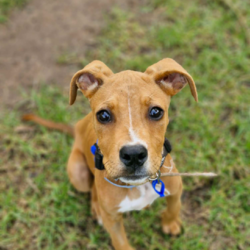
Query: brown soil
{"points": [[38, 34]]}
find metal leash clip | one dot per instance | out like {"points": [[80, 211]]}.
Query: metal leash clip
{"points": [[158, 177]]}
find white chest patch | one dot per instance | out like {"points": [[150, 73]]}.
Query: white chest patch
{"points": [[147, 197]]}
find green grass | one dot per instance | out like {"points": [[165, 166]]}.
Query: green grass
{"points": [[41, 210], [7, 5]]}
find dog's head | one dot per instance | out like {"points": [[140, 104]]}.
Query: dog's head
{"points": [[130, 114]]}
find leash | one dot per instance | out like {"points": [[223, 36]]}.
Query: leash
{"points": [[211, 174]]}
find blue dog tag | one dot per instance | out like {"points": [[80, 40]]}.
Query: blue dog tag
{"points": [[161, 192]]}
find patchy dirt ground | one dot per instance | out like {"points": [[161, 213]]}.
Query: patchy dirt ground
{"points": [[38, 34]]}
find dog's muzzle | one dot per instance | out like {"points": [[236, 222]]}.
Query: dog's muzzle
{"points": [[131, 156]]}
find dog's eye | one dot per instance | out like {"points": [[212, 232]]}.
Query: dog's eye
{"points": [[156, 113], [104, 116]]}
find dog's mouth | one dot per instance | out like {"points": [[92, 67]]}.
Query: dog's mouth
{"points": [[134, 180]]}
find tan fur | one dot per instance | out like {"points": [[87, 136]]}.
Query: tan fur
{"points": [[128, 95]]}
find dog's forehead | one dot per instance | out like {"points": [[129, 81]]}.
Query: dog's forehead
{"points": [[130, 83], [129, 77], [136, 86]]}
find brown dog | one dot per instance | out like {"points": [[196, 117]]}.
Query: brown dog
{"points": [[129, 119]]}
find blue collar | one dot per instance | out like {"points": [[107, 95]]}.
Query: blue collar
{"points": [[154, 183]]}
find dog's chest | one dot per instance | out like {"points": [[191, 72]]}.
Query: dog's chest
{"points": [[147, 197]]}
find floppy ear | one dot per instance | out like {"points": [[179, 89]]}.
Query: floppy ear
{"points": [[171, 77], [88, 80]]}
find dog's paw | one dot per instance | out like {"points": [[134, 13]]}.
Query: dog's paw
{"points": [[174, 228]]}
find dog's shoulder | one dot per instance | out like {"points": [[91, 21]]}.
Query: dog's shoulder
{"points": [[84, 123]]}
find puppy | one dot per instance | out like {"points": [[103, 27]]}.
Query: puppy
{"points": [[120, 149]]}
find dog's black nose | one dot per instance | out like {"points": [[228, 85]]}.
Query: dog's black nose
{"points": [[133, 156]]}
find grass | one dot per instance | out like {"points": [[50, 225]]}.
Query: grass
{"points": [[41, 210], [7, 5]]}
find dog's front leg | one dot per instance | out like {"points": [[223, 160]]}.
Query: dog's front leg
{"points": [[78, 171], [171, 223], [113, 222]]}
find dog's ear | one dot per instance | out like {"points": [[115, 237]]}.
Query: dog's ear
{"points": [[88, 79], [171, 77]]}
